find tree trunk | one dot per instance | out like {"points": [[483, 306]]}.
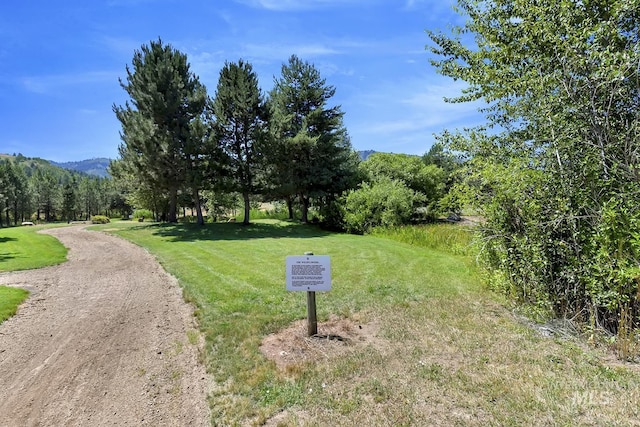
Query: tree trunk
{"points": [[247, 208], [290, 207], [305, 208], [173, 205], [196, 199]]}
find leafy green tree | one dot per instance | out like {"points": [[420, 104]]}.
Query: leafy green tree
{"points": [[418, 176], [161, 126], [385, 202], [310, 153], [240, 128], [555, 172]]}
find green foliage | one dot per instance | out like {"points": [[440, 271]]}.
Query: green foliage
{"points": [[450, 238], [556, 180], [240, 128], [34, 189], [262, 214], [10, 299], [428, 181], [162, 131], [310, 152], [143, 214], [412, 170], [385, 202], [100, 219]]}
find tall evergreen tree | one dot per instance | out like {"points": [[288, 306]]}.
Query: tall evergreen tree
{"points": [[167, 102], [240, 128], [69, 199], [311, 154]]}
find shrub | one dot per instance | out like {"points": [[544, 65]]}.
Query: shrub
{"points": [[100, 219], [386, 202], [142, 213]]}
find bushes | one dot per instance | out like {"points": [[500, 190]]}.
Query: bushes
{"points": [[100, 219], [142, 214], [386, 202]]}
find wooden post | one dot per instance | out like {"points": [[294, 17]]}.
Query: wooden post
{"points": [[312, 319], [312, 325]]}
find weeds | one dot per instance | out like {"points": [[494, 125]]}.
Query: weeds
{"points": [[453, 239]]}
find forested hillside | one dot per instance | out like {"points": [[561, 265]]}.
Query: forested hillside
{"points": [[33, 189], [97, 167]]}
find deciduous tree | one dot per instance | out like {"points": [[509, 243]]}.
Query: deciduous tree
{"points": [[556, 172]]}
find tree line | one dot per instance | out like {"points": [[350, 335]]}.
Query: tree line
{"points": [[34, 190], [181, 146]]}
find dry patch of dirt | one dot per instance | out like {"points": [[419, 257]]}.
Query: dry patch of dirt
{"points": [[103, 339], [291, 347]]}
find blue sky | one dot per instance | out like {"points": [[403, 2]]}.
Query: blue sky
{"points": [[60, 63]]}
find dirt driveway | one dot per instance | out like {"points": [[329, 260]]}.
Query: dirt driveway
{"points": [[102, 340]]}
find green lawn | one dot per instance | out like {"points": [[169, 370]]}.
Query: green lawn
{"points": [[446, 352], [21, 248], [10, 299]]}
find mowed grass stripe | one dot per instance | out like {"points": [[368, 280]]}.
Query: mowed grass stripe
{"points": [[22, 248]]}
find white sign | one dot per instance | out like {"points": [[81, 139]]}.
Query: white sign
{"points": [[309, 273]]}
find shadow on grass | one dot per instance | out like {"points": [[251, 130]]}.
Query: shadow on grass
{"points": [[5, 257], [8, 239], [236, 231]]}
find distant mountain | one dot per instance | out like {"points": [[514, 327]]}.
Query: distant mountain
{"points": [[97, 167], [365, 154]]}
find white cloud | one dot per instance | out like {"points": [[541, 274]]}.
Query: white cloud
{"points": [[403, 115], [51, 83]]}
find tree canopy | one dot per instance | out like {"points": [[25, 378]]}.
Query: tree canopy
{"points": [[161, 127], [311, 151], [240, 129], [555, 170]]}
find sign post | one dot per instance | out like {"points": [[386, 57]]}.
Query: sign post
{"points": [[312, 318], [309, 273]]}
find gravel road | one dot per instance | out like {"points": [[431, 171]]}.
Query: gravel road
{"points": [[102, 340]]}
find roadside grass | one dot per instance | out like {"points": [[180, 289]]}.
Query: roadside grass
{"points": [[23, 248], [446, 352], [10, 299], [451, 238]]}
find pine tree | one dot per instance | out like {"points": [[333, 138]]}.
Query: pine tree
{"points": [[240, 128], [167, 103], [311, 155]]}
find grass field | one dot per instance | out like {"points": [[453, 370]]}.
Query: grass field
{"points": [[21, 248], [10, 299], [445, 351]]}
